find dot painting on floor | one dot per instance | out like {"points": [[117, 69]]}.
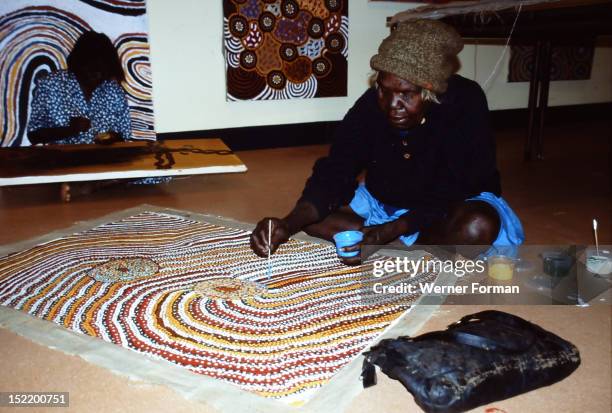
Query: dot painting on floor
{"points": [[194, 294]]}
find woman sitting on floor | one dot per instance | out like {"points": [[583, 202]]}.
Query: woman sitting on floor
{"points": [[84, 104], [78, 104]]}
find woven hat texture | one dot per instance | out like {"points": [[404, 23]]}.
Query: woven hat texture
{"points": [[422, 52]]}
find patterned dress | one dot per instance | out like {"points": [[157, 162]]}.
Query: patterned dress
{"points": [[58, 97]]}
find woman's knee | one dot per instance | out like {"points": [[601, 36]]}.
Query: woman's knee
{"points": [[475, 223]]}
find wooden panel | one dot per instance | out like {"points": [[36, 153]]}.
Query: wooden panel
{"points": [[68, 163]]}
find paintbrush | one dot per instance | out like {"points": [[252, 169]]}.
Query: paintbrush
{"points": [[595, 232], [269, 249]]}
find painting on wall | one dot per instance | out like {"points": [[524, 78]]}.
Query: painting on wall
{"points": [[567, 62], [36, 37], [285, 49], [416, 1]]}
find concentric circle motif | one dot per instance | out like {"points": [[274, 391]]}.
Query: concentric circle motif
{"points": [[333, 5], [238, 25], [334, 42], [288, 52], [321, 67], [284, 345], [124, 270], [35, 40], [316, 28], [267, 21], [276, 79], [228, 289], [289, 8], [248, 59]]}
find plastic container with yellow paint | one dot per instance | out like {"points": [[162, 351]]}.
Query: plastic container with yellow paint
{"points": [[500, 267]]}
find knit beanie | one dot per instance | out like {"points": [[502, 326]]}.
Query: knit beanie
{"points": [[421, 52]]}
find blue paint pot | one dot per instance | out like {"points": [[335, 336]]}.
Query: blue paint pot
{"points": [[346, 239]]}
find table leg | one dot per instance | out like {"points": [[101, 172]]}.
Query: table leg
{"points": [[533, 98], [544, 88]]}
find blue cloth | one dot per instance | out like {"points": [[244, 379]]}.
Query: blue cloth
{"points": [[375, 212], [58, 97]]}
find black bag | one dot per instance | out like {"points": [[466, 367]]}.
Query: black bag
{"points": [[484, 357]]}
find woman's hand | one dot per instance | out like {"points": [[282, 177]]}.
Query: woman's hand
{"points": [[75, 126], [303, 214], [107, 138], [79, 124], [259, 236]]}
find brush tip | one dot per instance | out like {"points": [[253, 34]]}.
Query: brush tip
{"points": [[594, 224]]}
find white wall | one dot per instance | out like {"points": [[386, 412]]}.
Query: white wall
{"points": [[189, 71]]}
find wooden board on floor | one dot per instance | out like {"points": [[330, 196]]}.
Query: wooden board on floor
{"points": [[69, 163]]}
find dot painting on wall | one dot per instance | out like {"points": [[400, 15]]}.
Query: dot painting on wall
{"points": [[36, 37], [568, 62], [285, 49]]}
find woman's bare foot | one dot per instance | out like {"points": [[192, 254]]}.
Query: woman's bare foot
{"points": [[77, 189], [65, 192], [69, 190]]}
